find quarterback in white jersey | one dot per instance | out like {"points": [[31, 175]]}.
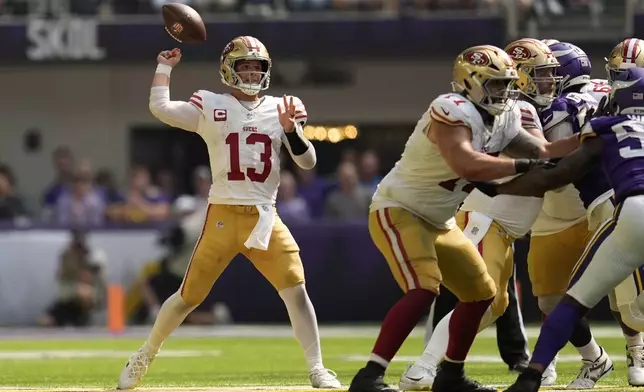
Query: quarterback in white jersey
{"points": [[244, 134], [411, 218], [493, 224]]}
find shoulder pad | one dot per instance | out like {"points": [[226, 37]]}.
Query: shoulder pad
{"points": [[301, 116], [597, 88], [529, 116], [579, 99], [197, 99], [599, 125], [554, 114], [452, 109]]}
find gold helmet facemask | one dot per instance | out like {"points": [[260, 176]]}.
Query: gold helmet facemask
{"points": [[485, 75], [536, 68], [245, 48], [627, 54]]}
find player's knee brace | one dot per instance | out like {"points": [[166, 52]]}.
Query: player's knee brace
{"points": [[548, 302]]}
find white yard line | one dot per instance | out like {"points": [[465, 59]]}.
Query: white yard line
{"points": [[258, 331], [73, 354]]}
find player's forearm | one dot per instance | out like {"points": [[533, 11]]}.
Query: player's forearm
{"points": [[560, 148], [488, 168], [177, 114], [307, 160], [301, 149], [534, 184], [161, 80], [571, 168]]}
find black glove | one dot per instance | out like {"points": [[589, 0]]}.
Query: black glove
{"points": [[488, 188], [523, 165], [603, 109]]}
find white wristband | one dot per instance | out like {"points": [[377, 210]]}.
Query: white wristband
{"points": [[164, 69]]}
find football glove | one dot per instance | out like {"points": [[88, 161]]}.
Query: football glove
{"points": [[523, 165]]}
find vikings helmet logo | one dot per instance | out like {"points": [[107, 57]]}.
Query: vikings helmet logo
{"points": [[477, 58]]}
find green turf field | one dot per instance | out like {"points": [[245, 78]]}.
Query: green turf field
{"points": [[253, 363]]}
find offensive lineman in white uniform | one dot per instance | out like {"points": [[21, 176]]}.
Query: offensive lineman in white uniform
{"points": [[244, 135], [493, 224], [411, 218]]}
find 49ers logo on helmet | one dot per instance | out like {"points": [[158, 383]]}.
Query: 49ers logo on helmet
{"points": [[477, 58], [229, 48], [519, 53], [631, 50]]}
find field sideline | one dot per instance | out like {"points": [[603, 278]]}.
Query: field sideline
{"points": [[240, 358]]}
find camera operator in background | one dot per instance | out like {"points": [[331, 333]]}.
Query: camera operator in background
{"points": [[81, 284]]}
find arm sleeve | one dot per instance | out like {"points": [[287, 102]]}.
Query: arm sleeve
{"points": [[180, 114], [300, 148]]}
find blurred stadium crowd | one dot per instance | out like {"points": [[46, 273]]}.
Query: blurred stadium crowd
{"points": [[79, 195], [126, 7]]}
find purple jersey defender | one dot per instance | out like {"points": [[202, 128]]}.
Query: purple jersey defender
{"points": [[616, 249], [623, 152], [575, 71], [567, 108]]}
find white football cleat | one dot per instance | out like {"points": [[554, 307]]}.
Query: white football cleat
{"points": [[549, 376], [592, 371], [134, 370], [417, 378], [324, 378], [635, 362]]}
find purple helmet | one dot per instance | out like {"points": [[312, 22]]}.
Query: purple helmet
{"points": [[574, 63], [627, 94]]}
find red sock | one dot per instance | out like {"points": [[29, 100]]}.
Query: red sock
{"points": [[463, 327], [400, 321]]}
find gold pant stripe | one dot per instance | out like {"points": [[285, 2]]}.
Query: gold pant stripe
{"points": [[638, 280], [192, 256], [397, 249]]}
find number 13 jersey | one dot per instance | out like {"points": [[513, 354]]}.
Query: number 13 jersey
{"points": [[243, 145], [421, 181]]}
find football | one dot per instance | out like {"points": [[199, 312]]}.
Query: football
{"points": [[183, 23]]}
